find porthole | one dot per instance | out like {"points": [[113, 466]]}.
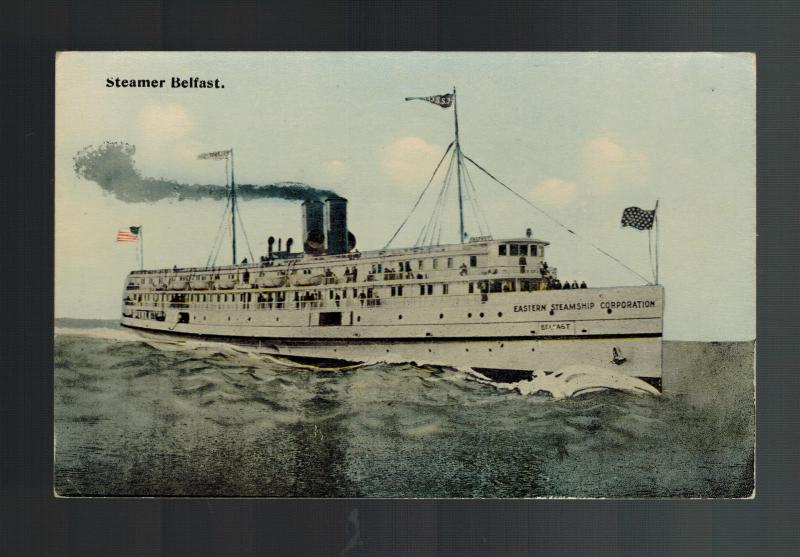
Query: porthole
{"points": [[490, 350], [441, 316], [552, 312], [608, 311], [229, 318], [399, 316], [277, 319], [481, 314], [466, 349], [499, 314], [358, 318], [249, 318], [469, 315], [429, 349], [533, 350]]}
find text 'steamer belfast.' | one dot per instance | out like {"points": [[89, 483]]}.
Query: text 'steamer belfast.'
{"points": [[492, 305]]}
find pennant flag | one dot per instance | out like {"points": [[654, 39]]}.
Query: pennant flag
{"points": [[638, 218], [215, 155], [130, 234], [442, 100]]}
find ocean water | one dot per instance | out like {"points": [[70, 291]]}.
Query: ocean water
{"points": [[137, 418]]}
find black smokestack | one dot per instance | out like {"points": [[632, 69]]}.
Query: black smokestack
{"points": [[111, 166]]}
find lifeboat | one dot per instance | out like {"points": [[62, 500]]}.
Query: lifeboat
{"points": [[199, 284], [178, 285], [271, 282], [225, 284], [307, 280]]}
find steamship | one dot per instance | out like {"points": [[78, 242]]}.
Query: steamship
{"points": [[489, 305]]}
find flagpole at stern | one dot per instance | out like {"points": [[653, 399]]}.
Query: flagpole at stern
{"points": [[141, 247], [655, 219]]}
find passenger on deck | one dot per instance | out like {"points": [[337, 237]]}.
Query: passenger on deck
{"points": [[583, 284], [566, 285], [575, 284]]}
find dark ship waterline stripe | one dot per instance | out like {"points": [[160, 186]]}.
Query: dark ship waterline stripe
{"points": [[355, 340]]}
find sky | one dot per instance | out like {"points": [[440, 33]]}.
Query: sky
{"points": [[579, 135]]}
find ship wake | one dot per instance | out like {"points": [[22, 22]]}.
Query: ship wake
{"points": [[570, 381]]}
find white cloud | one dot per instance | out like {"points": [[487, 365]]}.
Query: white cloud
{"points": [[164, 123], [410, 161], [336, 168], [608, 163], [555, 192]]}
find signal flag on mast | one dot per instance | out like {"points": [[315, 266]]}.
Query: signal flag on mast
{"points": [[445, 101], [215, 155]]}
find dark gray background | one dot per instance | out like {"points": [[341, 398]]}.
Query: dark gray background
{"points": [[33, 522]]}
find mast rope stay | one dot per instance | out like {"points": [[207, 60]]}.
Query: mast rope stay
{"points": [[429, 230], [244, 231], [420, 196], [436, 217], [559, 223]]}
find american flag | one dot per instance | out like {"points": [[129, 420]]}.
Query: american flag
{"points": [[638, 218], [130, 234]]}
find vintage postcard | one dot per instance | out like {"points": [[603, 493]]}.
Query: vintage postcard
{"points": [[472, 275]]}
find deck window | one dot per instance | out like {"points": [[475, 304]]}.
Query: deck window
{"points": [[471, 287], [523, 249], [449, 262], [473, 260], [534, 251], [514, 249], [435, 263], [501, 249], [430, 289], [445, 289]]}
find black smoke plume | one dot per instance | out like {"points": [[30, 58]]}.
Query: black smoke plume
{"points": [[111, 166]]}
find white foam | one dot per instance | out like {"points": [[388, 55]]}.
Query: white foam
{"points": [[571, 381]]}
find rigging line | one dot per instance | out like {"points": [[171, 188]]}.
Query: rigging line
{"points": [[217, 237], [470, 197], [246, 240], [431, 220], [219, 246], [420, 196], [479, 211], [222, 236], [425, 229], [436, 229], [604, 252], [436, 217]]}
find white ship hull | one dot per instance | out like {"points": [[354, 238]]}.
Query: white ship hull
{"points": [[617, 329]]}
